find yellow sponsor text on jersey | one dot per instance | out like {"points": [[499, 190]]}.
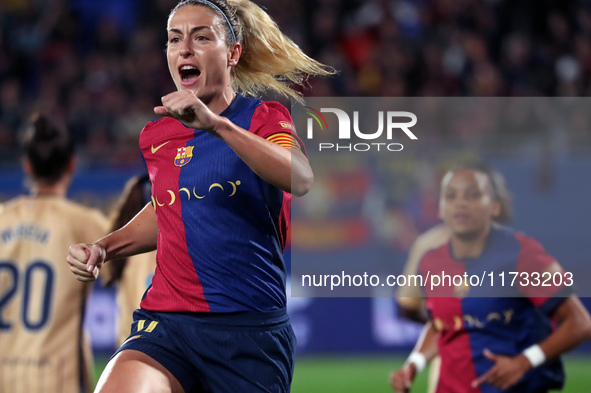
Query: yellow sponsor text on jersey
{"points": [[469, 321], [171, 196]]}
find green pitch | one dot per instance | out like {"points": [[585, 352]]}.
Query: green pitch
{"points": [[365, 374]]}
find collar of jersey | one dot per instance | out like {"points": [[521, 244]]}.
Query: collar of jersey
{"points": [[234, 105], [489, 239]]}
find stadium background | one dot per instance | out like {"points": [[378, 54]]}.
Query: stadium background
{"points": [[97, 66]]}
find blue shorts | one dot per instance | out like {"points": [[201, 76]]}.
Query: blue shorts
{"points": [[241, 352]]}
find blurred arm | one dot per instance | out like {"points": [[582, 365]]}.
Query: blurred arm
{"points": [[401, 380], [427, 343], [574, 328]]}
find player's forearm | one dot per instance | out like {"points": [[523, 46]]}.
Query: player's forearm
{"points": [[425, 350], [574, 328], [427, 343], [138, 236], [287, 169]]}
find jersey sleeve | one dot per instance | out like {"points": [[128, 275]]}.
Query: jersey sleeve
{"points": [[272, 121], [541, 278]]}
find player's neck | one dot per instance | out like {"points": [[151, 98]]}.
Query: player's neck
{"points": [[467, 247], [221, 101], [42, 189]]}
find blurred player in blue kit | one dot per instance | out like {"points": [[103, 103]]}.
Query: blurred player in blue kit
{"points": [[223, 168], [410, 298], [492, 344], [42, 345]]}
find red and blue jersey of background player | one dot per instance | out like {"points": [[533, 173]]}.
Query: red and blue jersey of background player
{"points": [[504, 324], [222, 229]]}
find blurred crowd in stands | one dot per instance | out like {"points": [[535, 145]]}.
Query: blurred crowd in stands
{"points": [[98, 66]]}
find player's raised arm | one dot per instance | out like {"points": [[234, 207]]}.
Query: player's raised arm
{"points": [[138, 236], [287, 169]]}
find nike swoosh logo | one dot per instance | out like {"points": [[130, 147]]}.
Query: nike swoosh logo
{"points": [[155, 149]]}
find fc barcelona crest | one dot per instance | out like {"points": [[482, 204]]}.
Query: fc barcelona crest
{"points": [[183, 155]]}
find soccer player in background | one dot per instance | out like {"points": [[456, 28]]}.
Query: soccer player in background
{"points": [[132, 275], [410, 298], [492, 344], [223, 168], [42, 345]]}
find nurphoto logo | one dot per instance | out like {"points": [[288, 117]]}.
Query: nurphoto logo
{"points": [[396, 124]]}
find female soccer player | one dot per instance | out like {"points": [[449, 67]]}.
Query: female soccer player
{"points": [[132, 275], [42, 345], [492, 344], [410, 299], [223, 168]]}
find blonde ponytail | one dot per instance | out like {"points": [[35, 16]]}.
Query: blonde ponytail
{"points": [[270, 60]]}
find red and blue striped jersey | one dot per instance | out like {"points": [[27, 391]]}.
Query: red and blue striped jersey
{"points": [[505, 325], [222, 229]]}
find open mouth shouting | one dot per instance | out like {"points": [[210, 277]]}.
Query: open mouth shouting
{"points": [[189, 74]]}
